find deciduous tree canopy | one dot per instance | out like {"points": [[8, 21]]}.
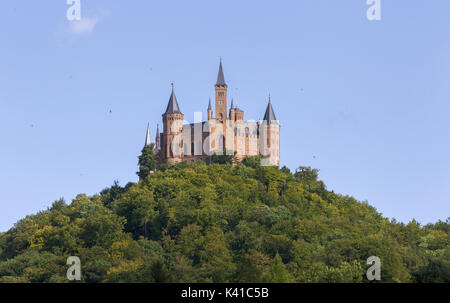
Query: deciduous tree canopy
{"points": [[222, 223]]}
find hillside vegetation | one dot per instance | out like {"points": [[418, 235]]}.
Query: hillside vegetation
{"points": [[219, 223]]}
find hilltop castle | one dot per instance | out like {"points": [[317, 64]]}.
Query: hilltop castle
{"points": [[224, 133]]}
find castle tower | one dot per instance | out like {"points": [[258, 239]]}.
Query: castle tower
{"points": [[157, 140], [270, 136], [209, 110], [172, 126], [221, 95]]}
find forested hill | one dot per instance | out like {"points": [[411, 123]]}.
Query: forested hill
{"points": [[220, 223]]}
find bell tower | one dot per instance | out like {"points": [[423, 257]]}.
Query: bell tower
{"points": [[221, 95]]}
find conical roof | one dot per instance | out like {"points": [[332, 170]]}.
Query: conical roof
{"points": [[220, 76], [269, 116], [148, 141], [172, 107]]}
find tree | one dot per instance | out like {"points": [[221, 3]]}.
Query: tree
{"points": [[252, 161], [436, 271], [278, 272], [227, 157], [110, 194], [222, 223], [310, 179], [147, 161], [306, 174], [138, 206]]}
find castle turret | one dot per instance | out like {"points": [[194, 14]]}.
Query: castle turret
{"points": [[269, 116], [221, 95], [232, 111], [172, 126], [209, 110], [239, 114], [270, 136], [157, 140]]}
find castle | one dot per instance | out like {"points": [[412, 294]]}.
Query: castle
{"points": [[224, 133]]}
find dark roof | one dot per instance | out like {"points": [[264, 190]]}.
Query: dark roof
{"points": [[220, 76], [232, 103], [209, 105], [269, 116], [157, 131], [172, 107]]}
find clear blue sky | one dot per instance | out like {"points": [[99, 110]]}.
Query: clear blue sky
{"points": [[367, 103]]}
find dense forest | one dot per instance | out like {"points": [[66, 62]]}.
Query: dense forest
{"points": [[222, 223]]}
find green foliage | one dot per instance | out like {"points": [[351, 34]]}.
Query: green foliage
{"points": [[226, 157], [222, 223], [147, 161], [278, 272], [253, 161], [109, 195]]}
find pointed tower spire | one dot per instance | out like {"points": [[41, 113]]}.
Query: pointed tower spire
{"points": [[221, 89], [220, 76], [172, 107], [232, 111], [148, 141], [157, 139], [269, 116], [209, 110]]}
